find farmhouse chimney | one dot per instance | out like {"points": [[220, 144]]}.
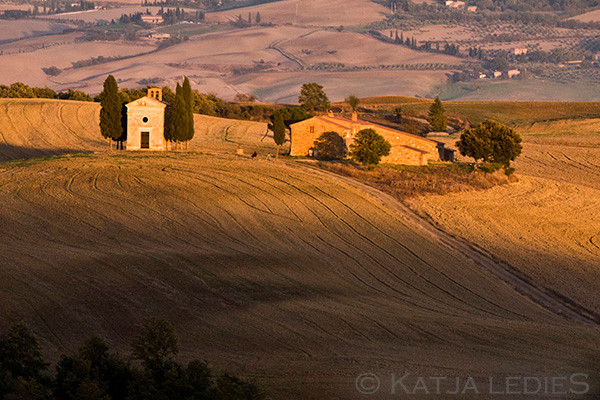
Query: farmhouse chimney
{"points": [[354, 116], [155, 93]]}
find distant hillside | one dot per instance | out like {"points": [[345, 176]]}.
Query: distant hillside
{"points": [[508, 112]]}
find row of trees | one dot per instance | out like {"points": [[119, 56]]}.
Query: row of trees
{"points": [[95, 372], [21, 90], [179, 118]]}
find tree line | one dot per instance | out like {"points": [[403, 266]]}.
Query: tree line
{"points": [[207, 104], [21, 90], [96, 372], [412, 43]]}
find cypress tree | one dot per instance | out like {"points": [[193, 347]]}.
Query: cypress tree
{"points": [[110, 114], [189, 103], [258, 17], [177, 121], [278, 131], [437, 116]]}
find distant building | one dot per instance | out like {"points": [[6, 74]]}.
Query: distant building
{"points": [[155, 35], [513, 72], [152, 19], [472, 8], [146, 122], [406, 148], [497, 74], [519, 51], [482, 76], [455, 4]]}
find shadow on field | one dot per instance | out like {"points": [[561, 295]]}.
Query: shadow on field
{"points": [[10, 152]]}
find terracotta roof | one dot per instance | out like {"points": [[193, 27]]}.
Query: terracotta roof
{"points": [[347, 123], [331, 122], [361, 122]]}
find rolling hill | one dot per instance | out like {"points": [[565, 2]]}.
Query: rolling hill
{"points": [[41, 127], [298, 278]]}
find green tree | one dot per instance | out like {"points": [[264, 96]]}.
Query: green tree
{"points": [[290, 115], [353, 102], [177, 118], [368, 147], [232, 388], [313, 98], [437, 116], [278, 131], [156, 345], [28, 390], [189, 104], [257, 17], [110, 114], [491, 142], [76, 95], [21, 362], [398, 114], [330, 146], [92, 373]]}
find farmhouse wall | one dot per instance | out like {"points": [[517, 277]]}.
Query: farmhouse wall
{"points": [[406, 148]]}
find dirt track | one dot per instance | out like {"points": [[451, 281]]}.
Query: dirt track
{"points": [[547, 225]]}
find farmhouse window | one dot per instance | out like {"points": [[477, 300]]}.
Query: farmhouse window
{"points": [[145, 119], [312, 129]]}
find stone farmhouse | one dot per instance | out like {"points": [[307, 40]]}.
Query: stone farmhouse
{"points": [[146, 122], [406, 148], [152, 19]]}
